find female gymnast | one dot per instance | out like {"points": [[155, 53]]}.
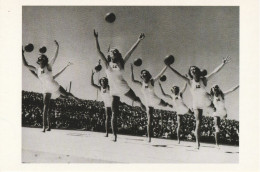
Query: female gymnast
{"points": [[49, 85], [178, 104], [114, 64], [218, 98], [151, 99], [106, 97], [197, 80]]}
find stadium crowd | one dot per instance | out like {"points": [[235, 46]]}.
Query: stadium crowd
{"points": [[90, 115]]}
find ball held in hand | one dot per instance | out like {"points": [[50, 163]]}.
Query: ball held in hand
{"points": [[203, 72], [29, 47], [169, 60], [98, 68], [43, 50], [163, 78]]}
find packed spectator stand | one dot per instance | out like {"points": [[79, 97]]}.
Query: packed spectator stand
{"points": [[89, 115]]}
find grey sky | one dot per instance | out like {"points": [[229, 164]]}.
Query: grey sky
{"points": [[199, 36]]}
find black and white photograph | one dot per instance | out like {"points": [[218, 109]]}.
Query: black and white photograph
{"points": [[122, 84], [129, 86]]}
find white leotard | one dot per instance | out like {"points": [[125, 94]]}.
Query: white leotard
{"points": [[118, 85], [49, 85], [200, 96], [151, 99], [106, 97], [179, 105], [219, 104]]}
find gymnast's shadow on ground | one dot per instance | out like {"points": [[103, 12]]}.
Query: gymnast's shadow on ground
{"points": [[77, 134], [134, 139], [182, 145], [160, 146], [231, 152], [213, 146]]}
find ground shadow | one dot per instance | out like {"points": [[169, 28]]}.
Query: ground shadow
{"points": [[77, 134], [209, 146], [231, 152], [134, 139], [159, 145], [183, 145]]}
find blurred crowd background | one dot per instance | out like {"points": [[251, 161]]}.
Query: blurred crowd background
{"points": [[89, 115]]}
